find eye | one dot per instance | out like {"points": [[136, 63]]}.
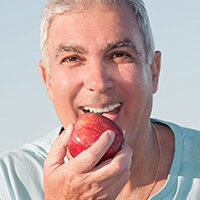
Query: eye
{"points": [[119, 54], [70, 59], [121, 57]]}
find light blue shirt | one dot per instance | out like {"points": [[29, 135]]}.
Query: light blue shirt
{"points": [[21, 171]]}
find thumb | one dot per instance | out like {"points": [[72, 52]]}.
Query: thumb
{"points": [[56, 156]]}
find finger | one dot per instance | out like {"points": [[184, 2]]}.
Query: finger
{"points": [[87, 159], [57, 153], [121, 162]]}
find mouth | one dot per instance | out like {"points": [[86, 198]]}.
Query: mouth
{"points": [[110, 111]]}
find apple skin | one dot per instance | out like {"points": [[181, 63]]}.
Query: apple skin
{"points": [[87, 130]]}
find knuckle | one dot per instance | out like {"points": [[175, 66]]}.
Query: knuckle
{"points": [[118, 166], [129, 150], [71, 178], [90, 157]]}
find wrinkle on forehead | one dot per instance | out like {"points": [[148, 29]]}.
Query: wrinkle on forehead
{"points": [[120, 39]]}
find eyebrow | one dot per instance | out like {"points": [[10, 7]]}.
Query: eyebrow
{"points": [[123, 43], [62, 48]]}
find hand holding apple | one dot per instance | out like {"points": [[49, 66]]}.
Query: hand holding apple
{"points": [[80, 178], [87, 130]]}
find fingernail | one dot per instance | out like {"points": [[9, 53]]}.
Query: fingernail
{"points": [[124, 133], [111, 134]]}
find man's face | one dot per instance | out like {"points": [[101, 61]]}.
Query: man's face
{"points": [[97, 64]]}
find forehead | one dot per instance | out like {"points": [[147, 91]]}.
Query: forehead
{"points": [[96, 25]]}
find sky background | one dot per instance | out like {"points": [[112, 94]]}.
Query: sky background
{"points": [[26, 113]]}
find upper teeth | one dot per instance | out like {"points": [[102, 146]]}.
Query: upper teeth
{"points": [[102, 110]]}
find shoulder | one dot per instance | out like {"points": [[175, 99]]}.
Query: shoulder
{"points": [[35, 149], [180, 131], [187, 144], [191, 148], [184, 174], [187, 148], [191, 134], [21, 170]]}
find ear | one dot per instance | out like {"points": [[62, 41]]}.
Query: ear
{"points": [[155, 70], [46, 77]]}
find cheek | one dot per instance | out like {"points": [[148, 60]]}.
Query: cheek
{"points": [[65, 87], [135, 77], [137, 92], [136, 83], [65, 83]]}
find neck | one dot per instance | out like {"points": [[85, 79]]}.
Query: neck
{"points": [[152, 160], [145, 158]]}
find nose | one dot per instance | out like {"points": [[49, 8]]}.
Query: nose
{"points": [[98, 79]]}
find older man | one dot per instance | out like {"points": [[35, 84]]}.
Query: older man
{"points": [[98, 56]]}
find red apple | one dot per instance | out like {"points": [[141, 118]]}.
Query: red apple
{"points": [[87, 130]]}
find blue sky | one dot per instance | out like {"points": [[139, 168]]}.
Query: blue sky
{"points": [[26, 112]]}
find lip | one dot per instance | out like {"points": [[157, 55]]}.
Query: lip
{"points": [[99, 105], [113, 115]]}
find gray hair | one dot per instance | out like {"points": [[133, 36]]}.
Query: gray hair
{"points": [[56, 7]]}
